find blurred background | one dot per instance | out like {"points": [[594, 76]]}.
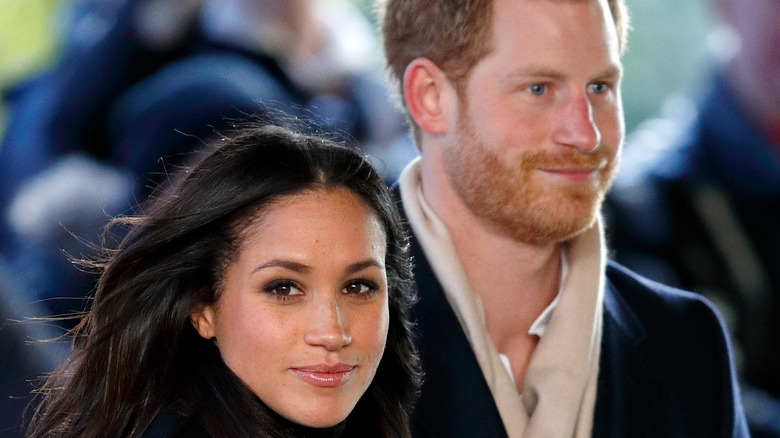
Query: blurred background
{"points": [[91, 91], [29, 33], [668, 46]]}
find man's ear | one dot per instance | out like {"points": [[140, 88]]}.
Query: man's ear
{"points": [[426, 92], [202, 318]]}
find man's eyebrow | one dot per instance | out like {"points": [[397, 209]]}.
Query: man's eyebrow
{"points": [[612, 71], [539, 72], [531, 72]]}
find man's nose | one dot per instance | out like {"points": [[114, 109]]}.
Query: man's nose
{"points": [[576, 127]]}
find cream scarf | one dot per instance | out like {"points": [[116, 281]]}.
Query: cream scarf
{"points": [[560, 383]]}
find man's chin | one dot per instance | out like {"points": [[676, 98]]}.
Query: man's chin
{"points": [[542, 231]]}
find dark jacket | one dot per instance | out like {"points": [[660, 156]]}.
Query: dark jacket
{"points": [[170, 425], [666, 368], [697, 205]]}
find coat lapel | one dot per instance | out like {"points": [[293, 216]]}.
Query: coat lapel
{"points": [[455, 400], [627, 396]]}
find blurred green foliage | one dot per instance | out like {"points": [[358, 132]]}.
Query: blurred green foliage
{"points": [[27, 39]]}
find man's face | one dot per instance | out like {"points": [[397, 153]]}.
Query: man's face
{"points": [[540, 120]]}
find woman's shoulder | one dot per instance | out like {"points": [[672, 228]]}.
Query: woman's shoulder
{"points": [[169, 424]]}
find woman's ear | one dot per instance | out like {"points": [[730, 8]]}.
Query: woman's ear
{"points": [[426, 93], [202, 318]]}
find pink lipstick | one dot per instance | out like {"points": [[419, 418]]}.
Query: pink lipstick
{"points": [[324, 375]]}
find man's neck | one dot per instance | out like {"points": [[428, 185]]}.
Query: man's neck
{"points": [[514, 280]]}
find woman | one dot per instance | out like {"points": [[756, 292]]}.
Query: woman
{"points": [[253, 299]]}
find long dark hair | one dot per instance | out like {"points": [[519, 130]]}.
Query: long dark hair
{"points": [[135, 353]]}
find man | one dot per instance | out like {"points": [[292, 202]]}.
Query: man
{"points": [[525, 330], [697, 203]]}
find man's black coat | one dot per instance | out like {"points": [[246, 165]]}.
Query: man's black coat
{"points": [[666, 368]]}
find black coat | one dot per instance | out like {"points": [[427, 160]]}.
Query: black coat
{"points": [[170, 425], [666, 368]]}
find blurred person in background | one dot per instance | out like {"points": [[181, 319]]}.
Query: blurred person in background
{"points": [[144, 79], [697, 200]]}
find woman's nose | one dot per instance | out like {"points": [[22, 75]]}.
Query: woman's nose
{"points": [[328, 327]]}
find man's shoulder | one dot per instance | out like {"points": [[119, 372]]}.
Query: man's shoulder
{"points": [[663, 349], [646, 294], [661, 313], [666, 326]]}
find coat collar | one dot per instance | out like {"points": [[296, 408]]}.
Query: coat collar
{"points": [[627, 394], [455, 400]]}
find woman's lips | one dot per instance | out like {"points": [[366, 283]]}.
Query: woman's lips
{"points": [[325, 376]]}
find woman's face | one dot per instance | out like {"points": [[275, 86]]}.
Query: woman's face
{"points": [[303, 313]]}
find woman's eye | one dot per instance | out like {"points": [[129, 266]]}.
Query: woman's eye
{"points": [[361, 288], [282, 289], [537, 89]]}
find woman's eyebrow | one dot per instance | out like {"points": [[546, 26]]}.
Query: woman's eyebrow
{"points": [[356, 267], [286, 264], [302, 268]]}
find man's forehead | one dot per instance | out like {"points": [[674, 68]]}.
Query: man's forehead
{"points": [[525, 12], [543, 25]]}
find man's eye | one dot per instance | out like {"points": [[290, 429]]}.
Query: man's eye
{"points": [[599, 88], [537, 89]]}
